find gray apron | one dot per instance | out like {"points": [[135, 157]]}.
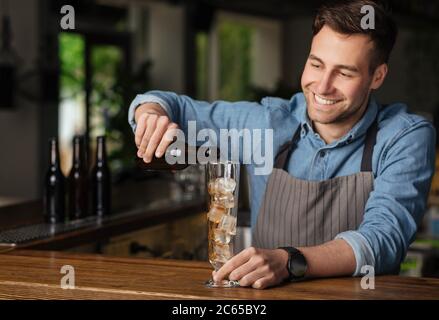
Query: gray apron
{"points": [[297, 212]]}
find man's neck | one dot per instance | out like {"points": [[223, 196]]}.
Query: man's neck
{"points": [[331, 132]]}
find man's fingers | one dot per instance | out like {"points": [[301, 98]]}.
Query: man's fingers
{"points": [[234, 263], [167, 138], [243, 270], [140, 129], [160, 129], [254, 267], [151, 123], [264, 282], [250, 278]]}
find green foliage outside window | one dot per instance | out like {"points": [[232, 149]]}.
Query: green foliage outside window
{"points": [[71, 54], [235, 61], [113, 87]]}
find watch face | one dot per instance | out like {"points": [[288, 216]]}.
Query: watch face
{"points": [[298, 265]]}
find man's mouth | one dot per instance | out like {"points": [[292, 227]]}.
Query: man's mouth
{"points": [[325, 101]]}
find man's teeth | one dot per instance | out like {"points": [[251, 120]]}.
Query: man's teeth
{"points": [[321, 100]]}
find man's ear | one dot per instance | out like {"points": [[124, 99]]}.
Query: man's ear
{"points": [[379, 75]]}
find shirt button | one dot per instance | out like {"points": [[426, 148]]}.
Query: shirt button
{"points": [[322, 154]]}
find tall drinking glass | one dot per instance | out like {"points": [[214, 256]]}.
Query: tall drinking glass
{"points": [[223, 187]]}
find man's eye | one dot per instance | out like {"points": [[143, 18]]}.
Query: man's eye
{"points": [[345, 75], [315, 65]]}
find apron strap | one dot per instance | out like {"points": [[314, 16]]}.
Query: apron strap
{"points": [[285, 150], [366, 161]]}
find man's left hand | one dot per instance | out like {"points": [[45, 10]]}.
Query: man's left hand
{"points": [[259, 268]]}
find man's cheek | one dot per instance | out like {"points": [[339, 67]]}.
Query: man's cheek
{"points": [[309, 79]]}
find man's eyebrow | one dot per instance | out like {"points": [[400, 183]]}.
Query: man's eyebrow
{"points": [[338, 66], [313, 57], [349, 68]]}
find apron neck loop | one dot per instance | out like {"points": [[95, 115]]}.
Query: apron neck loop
{"points": [[285, 150], [366, 161]]}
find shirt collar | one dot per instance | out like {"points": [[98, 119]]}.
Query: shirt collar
{"points": [[357, 130]]}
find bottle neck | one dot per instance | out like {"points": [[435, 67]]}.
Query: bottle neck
{"points": [[193, 154], [54, 153], [179, 156], [101, 152], [78, 153]]}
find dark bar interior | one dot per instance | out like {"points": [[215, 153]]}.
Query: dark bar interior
{"points": [[74, 191]]}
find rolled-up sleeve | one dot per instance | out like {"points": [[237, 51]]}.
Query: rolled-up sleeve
{"points": [[398, 202], [362, 250]]}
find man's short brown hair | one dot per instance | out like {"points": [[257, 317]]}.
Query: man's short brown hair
{"points": [[345, 17]]}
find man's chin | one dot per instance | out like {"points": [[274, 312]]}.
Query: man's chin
{"points": [[322, 120], [323, 117]]}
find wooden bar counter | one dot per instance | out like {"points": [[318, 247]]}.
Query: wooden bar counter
{"points": [[27, 274]]}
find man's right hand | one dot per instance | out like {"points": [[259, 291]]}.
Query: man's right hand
{"points": [[154, 132]]}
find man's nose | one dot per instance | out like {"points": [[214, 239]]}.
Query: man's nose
{"points": [[325, 85]]}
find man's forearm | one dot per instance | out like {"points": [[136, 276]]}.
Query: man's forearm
{"points": [[334, 258]]}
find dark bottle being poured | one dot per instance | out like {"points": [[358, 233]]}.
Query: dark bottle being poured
{"points": [[101, 181], [78, 182], [54, 187], [179, 156]]}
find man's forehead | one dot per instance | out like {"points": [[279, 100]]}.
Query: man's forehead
{"points": [[326, 32], [337, 48]]}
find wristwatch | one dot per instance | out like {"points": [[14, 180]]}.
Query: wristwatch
{"points": [[296, 264]]}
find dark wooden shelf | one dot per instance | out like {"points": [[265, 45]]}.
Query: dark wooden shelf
{"points": [[95, 229], [136, 205]]}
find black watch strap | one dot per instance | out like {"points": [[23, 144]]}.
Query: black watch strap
{"points": [[296, 264]]}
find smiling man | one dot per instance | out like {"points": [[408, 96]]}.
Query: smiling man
{"points": [[351, 176], [337, 83]]}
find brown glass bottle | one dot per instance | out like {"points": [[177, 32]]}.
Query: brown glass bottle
{"points": [[101, 181], [54, 187], [78, 181], [178, 157]]}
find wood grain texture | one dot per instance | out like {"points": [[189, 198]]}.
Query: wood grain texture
{"points": [[36, 275], [6, 248]]}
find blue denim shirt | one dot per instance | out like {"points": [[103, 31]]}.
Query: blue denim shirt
{"points": [[402, 164]]}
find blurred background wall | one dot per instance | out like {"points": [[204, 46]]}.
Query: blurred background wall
{"points": [[20, 125]]}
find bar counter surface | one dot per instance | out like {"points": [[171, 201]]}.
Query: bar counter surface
{"points": [[28, 274]]}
